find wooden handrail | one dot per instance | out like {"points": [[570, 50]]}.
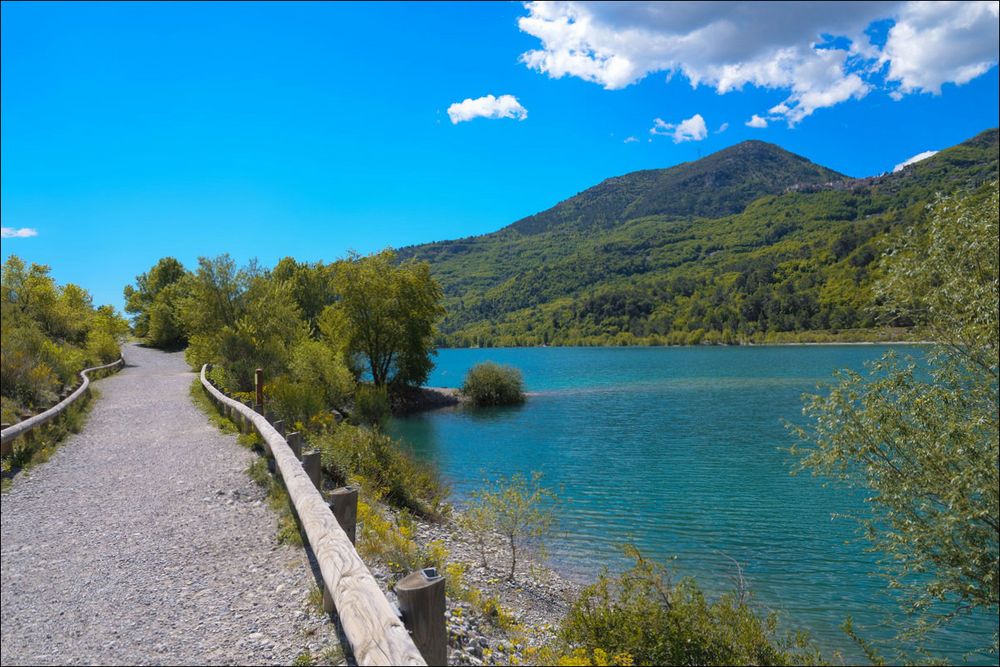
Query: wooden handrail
{"points": [[376, 634], [20, 428]]}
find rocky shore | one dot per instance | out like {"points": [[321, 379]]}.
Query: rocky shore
{"points": [[409, 400], [532, 606]]}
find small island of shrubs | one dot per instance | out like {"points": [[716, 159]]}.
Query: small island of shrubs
{"points": [[489, 383]]}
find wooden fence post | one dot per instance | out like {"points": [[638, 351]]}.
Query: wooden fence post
{"points": [[279, 426], [421, 599], [258, 384], [311, 464], [294, 440], [344, 505], [248, 425]]}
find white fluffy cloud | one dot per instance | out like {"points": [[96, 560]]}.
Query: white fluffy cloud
{"points": [[692, 129], [817, 51], [933, 43], [631, 140], [916, 158], [22, 233], [722, 128], [505, 106], [756, 121]]}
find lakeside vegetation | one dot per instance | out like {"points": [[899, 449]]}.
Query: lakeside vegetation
{"points": [[749, 245], [488, 383]]}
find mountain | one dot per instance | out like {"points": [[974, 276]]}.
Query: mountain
{"points": [[721, 184], [750, 243]]}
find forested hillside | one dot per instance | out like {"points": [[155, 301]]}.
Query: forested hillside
{"points": [[751, 243]]}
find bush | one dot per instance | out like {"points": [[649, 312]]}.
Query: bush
{"points": [[295, 402], [492, 384], [521, 511], [371, 406], [350, 451], [643, 618]]}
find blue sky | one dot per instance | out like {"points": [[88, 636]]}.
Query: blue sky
{"points": [[135, 131]]}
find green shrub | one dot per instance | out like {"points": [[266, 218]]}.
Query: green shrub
{"points": [[295, 401], [350, 451], [317, 364], [102, 348], [643, 618], [492, 384], [371, 406]]}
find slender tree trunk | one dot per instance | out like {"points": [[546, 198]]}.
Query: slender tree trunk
{"points": [[513, 558], [482, 551]]}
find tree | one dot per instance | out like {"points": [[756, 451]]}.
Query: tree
{"points": [[385, 314], [145, 303], [519, 510], [923, 438]]}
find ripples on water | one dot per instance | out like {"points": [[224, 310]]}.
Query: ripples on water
{"points": [[683, 452]]}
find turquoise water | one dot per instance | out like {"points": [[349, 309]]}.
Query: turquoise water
{"points": [[682, 452]]}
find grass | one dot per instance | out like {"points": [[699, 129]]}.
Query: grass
{"points": [[38, 445], [203, 402], [288, 531]]}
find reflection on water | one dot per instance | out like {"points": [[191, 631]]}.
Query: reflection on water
{"points": [[682, 451]]}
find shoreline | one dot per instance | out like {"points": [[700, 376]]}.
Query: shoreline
{"points": [[529, 610]]}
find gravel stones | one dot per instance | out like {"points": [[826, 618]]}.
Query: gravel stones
{"points": [[142, 541]]}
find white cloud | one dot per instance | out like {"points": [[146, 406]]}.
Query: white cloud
{"points": [[756, 121], [631, 140], [933, 43], [916, 158], [22, 233], [776, 45], [722, 128], [505, 106], [692, 129]]}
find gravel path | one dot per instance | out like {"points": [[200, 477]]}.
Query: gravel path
{"points": [[143, 541]]}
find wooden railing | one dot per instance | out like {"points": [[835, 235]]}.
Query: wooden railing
{"points": [[376, 633], [9, 434]]}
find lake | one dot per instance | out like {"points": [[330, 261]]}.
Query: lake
{"points": [[683, 452]]}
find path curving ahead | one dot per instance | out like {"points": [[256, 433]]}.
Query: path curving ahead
{"points": [[142, 540]]}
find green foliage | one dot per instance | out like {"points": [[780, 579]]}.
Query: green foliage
{"points": [[322, 367], [389, 536], [488, 383], [153, 303], [241, 319], [386, 314], [48, 334], [790, 257], [478, 521], [923, 439], [349, 451], [201, 400], [521, 511], [371, 406], [643, 618]]}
